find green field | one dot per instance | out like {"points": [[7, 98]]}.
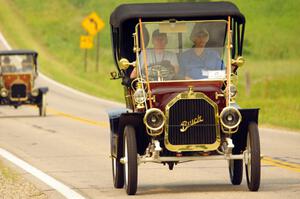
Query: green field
{"points": [[271, 50]]}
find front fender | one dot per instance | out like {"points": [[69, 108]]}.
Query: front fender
{"points": [[240, 137], [114, 118], [118, 121], [135, 120], [43, 90]]}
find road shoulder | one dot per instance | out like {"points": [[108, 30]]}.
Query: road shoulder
{"points": [[14, 185]]}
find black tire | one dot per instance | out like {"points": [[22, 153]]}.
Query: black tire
{"points": [[253, 166], [42, 106], [117, 166], [236, 171], [40, 111], [130, 156], [118, 173]]}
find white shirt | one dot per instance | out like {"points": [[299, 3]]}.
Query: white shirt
{"points": [[156, 58]]}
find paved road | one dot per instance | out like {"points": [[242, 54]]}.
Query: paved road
{"points": [[71, 144]]}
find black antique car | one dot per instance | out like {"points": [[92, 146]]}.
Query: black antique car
{"points": [[18, 71], [179, 63]]}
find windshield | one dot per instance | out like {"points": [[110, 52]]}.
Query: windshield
{"points": [[16, 64], [182, 50]]}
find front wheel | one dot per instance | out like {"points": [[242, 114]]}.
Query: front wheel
{"points": [[130, 160], [42, 106], [253, 165]]}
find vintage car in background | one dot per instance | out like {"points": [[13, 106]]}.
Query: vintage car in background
{"points": [[18, 71], [176, 114]]}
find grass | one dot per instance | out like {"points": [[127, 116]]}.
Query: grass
{"points": [[271, 50], [60, 57], [271, 28], [273, 88], [8, 173]]}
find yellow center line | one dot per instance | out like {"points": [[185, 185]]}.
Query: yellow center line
{"points": [[80, 119], [282, 164], [266, 160]]}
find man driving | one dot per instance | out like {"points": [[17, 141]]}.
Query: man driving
{"points": [[158, 55]]}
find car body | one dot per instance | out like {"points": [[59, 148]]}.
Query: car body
{"points": [[170, 117], [18, 72]]}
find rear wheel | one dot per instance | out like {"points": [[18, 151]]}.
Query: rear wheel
{"points": [[130, 160], [118, 173], [236, 171], [253, 165], [117, 167]]}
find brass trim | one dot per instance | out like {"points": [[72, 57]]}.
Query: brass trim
{"points": [[18, 99], [147, 125], [230, 129], [124, 64], [217, 95], [228, 66], [239, 61], [154, 133], [139, 89], [128, 98], [191, 90], [192, 147], [185, 125], [191, 80]]}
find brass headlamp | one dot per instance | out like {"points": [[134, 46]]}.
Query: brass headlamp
{"points": [[154, 119], [230, 118]]}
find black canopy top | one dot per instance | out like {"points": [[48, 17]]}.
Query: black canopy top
{"points": [[18, 52], [179, 11]]}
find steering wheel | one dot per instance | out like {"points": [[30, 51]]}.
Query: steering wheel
{"points": [[161, 72]]}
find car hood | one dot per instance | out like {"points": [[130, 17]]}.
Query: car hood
{"points": [[164, 92]]}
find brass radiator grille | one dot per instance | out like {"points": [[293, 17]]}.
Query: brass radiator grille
{"points": [[18, 91], [192, 123], [183, 114]]}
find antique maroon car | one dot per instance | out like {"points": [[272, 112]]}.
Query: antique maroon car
{"points": [[179, 63]]}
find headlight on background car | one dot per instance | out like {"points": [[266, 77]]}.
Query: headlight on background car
{"points": [[3, 92], [154, 119], [230, 117], [35, 92]]}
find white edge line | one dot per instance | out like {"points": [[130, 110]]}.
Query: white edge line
{"points": [[61, 188], [3, 40]]}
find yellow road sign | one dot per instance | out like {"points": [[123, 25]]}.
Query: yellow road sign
{"points": [[86, 41], [92, 23]]}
